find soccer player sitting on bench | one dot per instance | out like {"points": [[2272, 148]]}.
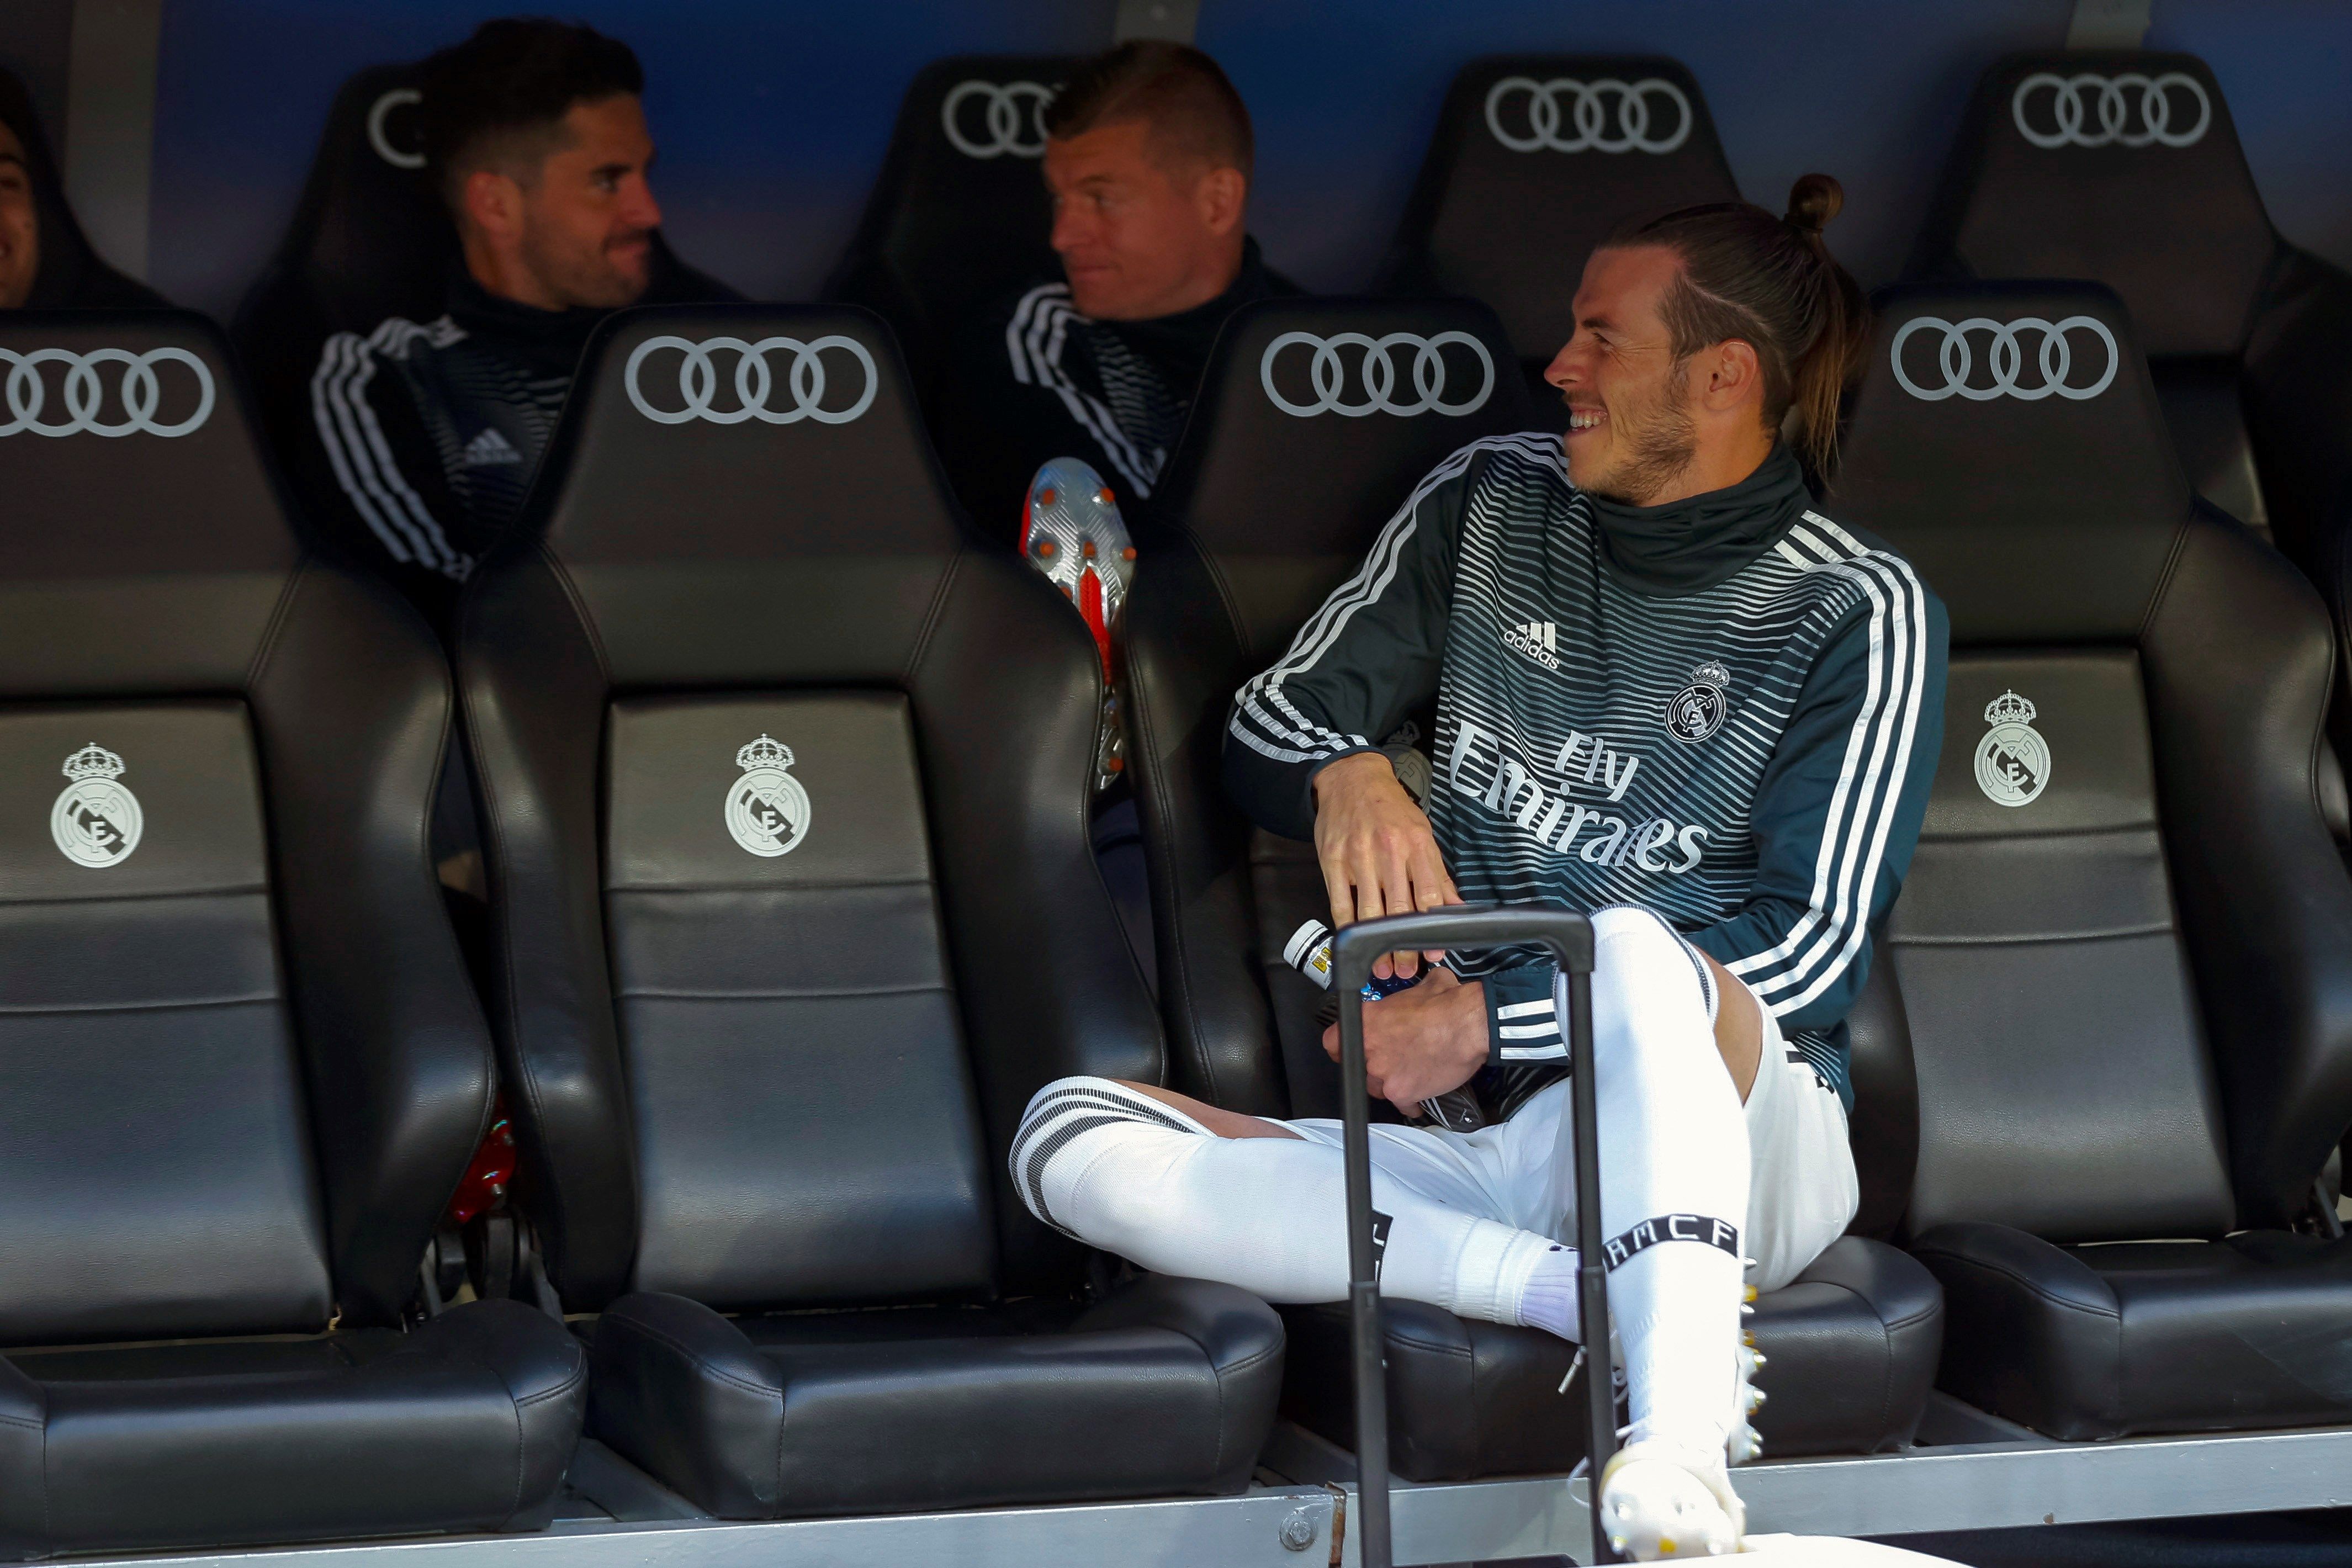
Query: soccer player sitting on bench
{"points": [[1671, 693]]}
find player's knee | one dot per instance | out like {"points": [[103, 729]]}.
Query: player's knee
{"points": [[1074, 1121], [1641, 966], [1061, 1088], [1622, 924], [1640, 946]]}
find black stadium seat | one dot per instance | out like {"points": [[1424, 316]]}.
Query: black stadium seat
{"points": [[2124, 167], [2125, 948], [241, 1067], [959, 216], [785, 785], [1269, 508], [370, 239], [1536, 159]]}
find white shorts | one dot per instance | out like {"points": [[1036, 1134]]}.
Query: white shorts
{"points": [[1802, 1190]]}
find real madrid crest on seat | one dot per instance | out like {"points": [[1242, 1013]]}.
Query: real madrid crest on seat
{"points": [[767, 811], [2012, 761], [97, 821]]}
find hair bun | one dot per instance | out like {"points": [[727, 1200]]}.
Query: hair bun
{"points": [[1813, 200]]}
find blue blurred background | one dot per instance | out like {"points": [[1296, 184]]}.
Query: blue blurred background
{"points": [[772, 117]]}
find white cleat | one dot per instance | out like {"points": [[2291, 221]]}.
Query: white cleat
{"points": [[1744, 1445], [1659, 1502]]}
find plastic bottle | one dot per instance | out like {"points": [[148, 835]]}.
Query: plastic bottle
{"points": [[1309, 950]]}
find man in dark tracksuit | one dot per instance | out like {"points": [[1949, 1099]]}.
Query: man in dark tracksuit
{"points": [[46, 263], [1148, 154], [1672, 693], [429, 432]]}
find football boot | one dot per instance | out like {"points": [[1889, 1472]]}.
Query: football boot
{"points": [[1072, 531], [1663, 1502]]}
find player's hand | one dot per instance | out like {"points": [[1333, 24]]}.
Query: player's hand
{"points": [[1378, 853], [1420, 1043]]}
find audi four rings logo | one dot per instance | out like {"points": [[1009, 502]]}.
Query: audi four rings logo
{"points": [[27, 395], [1380, 375], [380, 139], [2006, 360], [2073, 97], [1011, 118], [1588, 114], [698, 381]]}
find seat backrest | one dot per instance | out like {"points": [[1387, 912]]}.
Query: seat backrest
{"points": [[1290, 464], [370, 234], [369, 239], [786, 784], [71, 271], [2124, 882], [241, 1068], [2117, 165], [1536, 159], [959, 214], [2123, 166]]}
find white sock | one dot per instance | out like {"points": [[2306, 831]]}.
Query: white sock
{"points": [[1547, 1299], [1126, 1173], [1674, 1178]]}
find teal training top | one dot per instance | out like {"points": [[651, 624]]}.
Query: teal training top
{"points": [[1726, 710]]}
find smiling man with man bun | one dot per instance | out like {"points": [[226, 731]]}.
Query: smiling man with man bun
{"points": [[1672, 694]]}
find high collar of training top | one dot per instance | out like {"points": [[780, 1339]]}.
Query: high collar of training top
{"points": [[1179, 344], [1690, 545], [545, 342]]}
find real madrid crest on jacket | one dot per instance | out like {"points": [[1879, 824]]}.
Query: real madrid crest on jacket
{"points": [[1726, 710], [767, 809], [96, 821]]}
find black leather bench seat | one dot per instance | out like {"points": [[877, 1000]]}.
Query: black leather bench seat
{"points": [[464, 1424], [787, 794], [1849, 1350], [241, 1064], [2125, 961], [850, 1412], [2148, 1336]]}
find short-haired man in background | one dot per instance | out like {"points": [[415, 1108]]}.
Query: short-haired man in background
{"points": [[46, 262], [1148, 154], [429, 432]]}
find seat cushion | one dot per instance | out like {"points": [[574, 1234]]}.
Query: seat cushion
{"points": [[1167, 1385], [1850, 1348], [2084, 1343], [464, 1424]]}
